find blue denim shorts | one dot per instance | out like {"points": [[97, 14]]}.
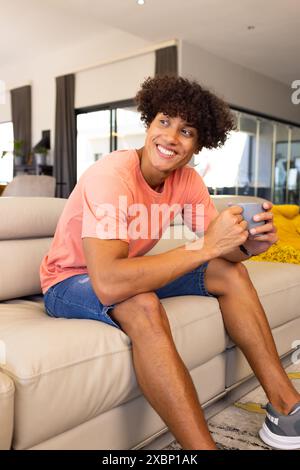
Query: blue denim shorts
{"points": [[75, 298]]}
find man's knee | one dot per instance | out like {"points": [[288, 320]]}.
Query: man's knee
{"points": [[236, 270], [223, 275], [140, 313]]}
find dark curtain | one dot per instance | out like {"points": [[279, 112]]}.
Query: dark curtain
{"points": [[21, 118], [65, 136], [166, 62]]}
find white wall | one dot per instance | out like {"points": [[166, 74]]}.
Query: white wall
{"points": [[113, 82], [41, 73], [238, 85]]}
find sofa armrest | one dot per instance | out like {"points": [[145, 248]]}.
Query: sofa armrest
{"points": [[7, 391]]}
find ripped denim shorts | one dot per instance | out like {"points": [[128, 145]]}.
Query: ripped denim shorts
{"points": [[74, 297]]}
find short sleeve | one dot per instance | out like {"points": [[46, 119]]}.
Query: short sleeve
{"points": [[199, 209], [105, 200]]}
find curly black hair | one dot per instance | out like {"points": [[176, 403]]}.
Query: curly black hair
{"points": [[178, 96]]}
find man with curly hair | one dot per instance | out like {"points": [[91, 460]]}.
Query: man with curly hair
{"points": [[95, 268]]}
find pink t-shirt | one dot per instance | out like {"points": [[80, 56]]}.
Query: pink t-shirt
{"points": [[112, 200]]}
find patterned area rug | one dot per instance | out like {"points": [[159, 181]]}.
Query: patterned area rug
{"points": [[236, 427]]}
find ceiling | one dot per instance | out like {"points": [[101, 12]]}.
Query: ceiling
{"points": [[272, 47]]}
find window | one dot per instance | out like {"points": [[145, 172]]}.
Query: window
{"points": [[103, 130], [93, 138], [130, 130], [261, 158], [220, 167], [6, 145]]}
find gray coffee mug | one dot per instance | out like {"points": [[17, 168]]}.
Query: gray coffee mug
{"points": [[249, 210]]}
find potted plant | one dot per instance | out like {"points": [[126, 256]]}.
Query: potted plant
{"points": [[18, 154], [41, 155]]}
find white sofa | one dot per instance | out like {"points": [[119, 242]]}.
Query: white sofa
{"points": [[70, 384], [31, 185]]}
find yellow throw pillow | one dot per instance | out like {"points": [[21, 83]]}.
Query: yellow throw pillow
{"points": [[279, 254], [287, 249], [287, 210]]}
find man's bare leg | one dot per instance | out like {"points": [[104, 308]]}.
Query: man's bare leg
{"points": [[247, 325], [161, 373]]}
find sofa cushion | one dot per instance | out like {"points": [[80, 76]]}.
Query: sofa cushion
{"points": [[80, 368], [7, 390], [134, 424], [29, 217], [25, 238], [278, 286], [20, 262]]}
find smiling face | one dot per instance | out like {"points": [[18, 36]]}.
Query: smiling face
{"points": [[170, 143]]}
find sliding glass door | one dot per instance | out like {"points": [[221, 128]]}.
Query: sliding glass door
{"points": [[130, 130], [260, 158], [101, 131], [93, 138]]}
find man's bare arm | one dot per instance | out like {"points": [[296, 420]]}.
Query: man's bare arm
{"points": [[115, 277]]}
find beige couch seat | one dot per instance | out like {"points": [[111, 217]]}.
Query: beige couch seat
{"points": [[7, 390], [57, 374]]}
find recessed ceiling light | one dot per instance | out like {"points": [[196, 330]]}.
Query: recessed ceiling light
{"points": [[140, 2]]}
